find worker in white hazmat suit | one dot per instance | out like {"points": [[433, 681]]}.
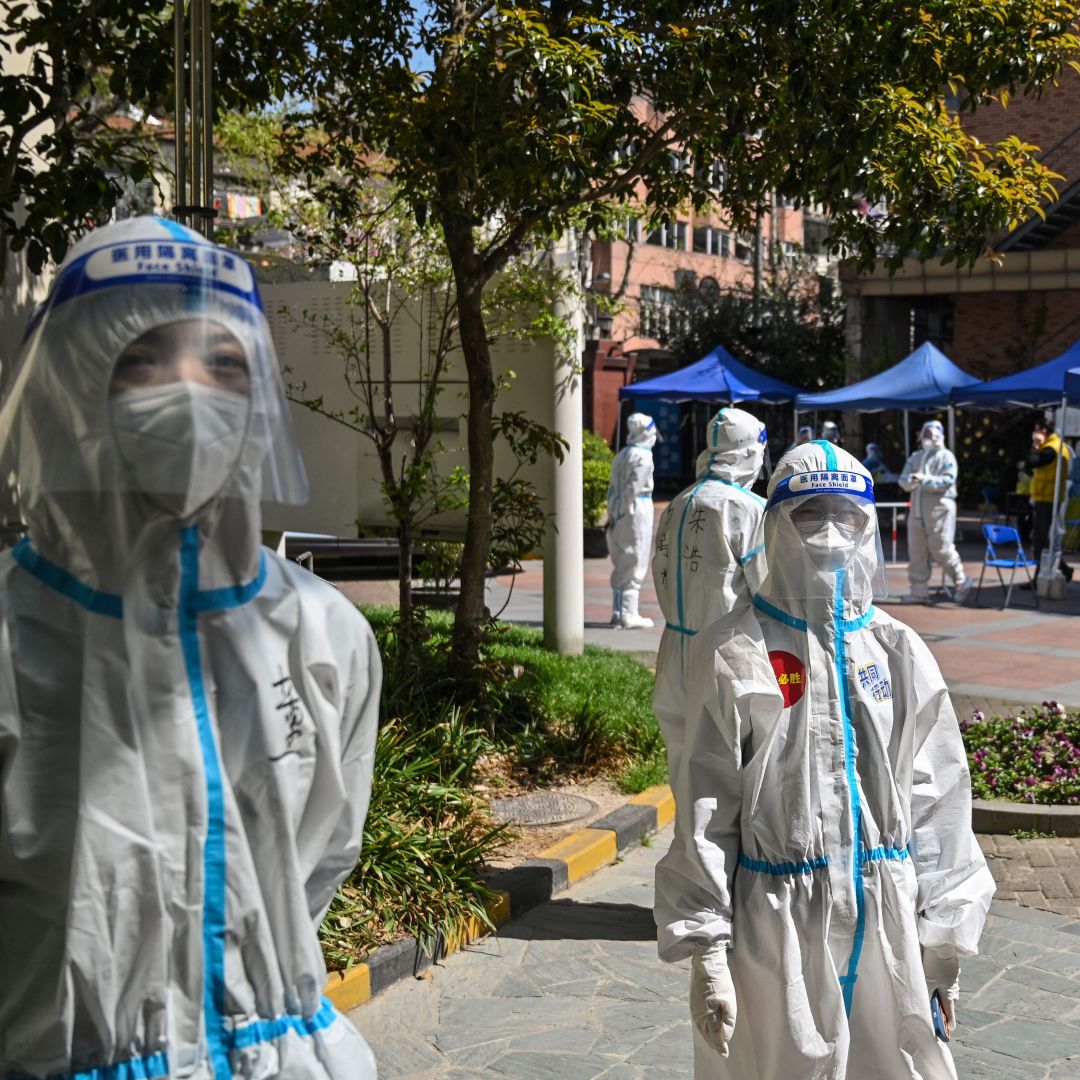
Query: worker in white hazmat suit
{"points": [[709, 558], [630, 520], [929, 475], [823, 876], [187, 721]]}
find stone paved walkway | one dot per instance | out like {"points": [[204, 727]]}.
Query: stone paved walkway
{"points": [[1041, 873], [574, 991]]}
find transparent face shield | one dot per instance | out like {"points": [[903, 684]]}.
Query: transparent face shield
{"points": [[822, 541], [150, 371]]}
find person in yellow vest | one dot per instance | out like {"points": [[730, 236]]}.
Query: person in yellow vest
{"points": [[1042, 463]]}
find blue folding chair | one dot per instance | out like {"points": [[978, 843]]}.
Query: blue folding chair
{"points": [[998, 538]]}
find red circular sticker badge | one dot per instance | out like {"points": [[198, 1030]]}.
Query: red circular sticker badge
{"points": [[790, 676]]}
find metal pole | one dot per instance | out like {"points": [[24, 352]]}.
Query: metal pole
{"points": [[1055, 555], [952, 429], [206, 73], [907, 436], [180, 195], [195, 96]]}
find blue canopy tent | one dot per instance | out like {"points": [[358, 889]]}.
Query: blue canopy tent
{"points": [[716, 377], [1055, 382], [923, 380]]}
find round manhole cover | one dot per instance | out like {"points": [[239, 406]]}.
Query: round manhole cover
{"points": [[541, 808]]}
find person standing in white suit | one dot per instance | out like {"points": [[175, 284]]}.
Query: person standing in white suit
{"points": [[709, 558], [823, 877], [630, 520], [930, 475], [187, 720]]}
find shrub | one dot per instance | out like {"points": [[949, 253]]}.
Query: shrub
{"points": [[1032, 757], [596, 468], [426, 841]]}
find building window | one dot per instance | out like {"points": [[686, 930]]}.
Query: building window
{"points": [[669, 234], [712, 241], [744, 248], [710, 175], [633, 231], [656, 306]]}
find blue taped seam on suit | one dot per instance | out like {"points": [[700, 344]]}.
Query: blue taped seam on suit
{"points": [[214, 844], [751, 553], [263, 1031], [880, 853], [680, 629], [761, 866], [779, 615], [848, 981], [144, 1068], [830, 453], [179, 232], [66, 583], [231, 596]]}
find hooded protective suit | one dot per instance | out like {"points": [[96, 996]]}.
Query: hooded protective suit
{"points": [[823, 834], [630, 519], [187, 721], [930, 476], [709, 558]]}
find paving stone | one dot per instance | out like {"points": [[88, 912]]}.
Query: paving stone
{"points": [[1063, 963], [1033, 916], [1066, 1070], [1043, 980], [1030, 1040], [545, 1066], [979, 1065], [674, 1045], [399, 1054]]}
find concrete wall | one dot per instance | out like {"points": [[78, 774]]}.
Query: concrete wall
{"points": [[342, 466]]}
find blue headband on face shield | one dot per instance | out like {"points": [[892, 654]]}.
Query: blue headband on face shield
{"points": [[189, 261], [824, 482]]}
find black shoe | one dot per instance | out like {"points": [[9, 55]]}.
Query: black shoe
{"points": [[1067, 570]]}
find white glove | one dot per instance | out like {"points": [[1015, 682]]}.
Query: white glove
{"points": [[916, 477], [942, 973], [712, 997]]}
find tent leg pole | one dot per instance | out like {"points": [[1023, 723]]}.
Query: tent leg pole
{"points": [[1059, 504], [952, 429], [907, 436]]}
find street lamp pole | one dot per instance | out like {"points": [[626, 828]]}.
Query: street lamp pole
{"points": [[193, 47]]}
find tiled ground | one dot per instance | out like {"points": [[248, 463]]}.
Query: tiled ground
{"points": [[574, 991], [1042, 873]]}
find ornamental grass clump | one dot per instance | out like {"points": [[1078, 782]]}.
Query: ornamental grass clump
{"points": [[1032, 757]]}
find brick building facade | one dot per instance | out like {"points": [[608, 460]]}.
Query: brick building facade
{"points": [[1001, 316]]}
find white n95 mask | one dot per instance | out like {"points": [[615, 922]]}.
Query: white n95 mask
{"points": [[181, 440]]}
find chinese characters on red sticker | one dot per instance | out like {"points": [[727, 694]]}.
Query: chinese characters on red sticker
{"points": [[790, 676]]}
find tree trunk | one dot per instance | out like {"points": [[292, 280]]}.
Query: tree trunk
{"points": [[405, 600], [468, 276]]}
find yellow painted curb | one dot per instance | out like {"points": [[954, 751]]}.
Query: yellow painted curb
{"points": [[660, 798], [498, 911], [583, 852], [349, 990]]}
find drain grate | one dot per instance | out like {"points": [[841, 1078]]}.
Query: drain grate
{"points": [[542, 808]]}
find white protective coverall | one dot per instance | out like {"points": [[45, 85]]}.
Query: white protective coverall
{"points": [[709, 558], [823, 832], [187, 721], [630, 520], [930, 476]]}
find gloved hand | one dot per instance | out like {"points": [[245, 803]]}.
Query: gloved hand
{"points": [[712, 997], [942, 972]]}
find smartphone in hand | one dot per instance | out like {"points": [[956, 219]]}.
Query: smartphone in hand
{"points": [[940, 1030]]}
